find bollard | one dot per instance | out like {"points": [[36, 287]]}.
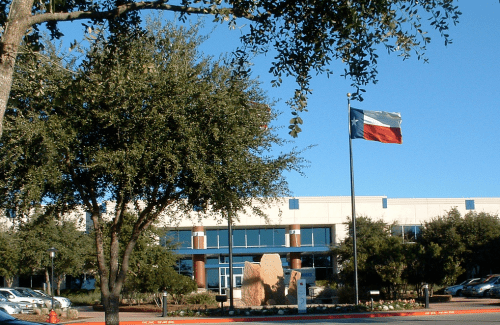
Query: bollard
{"points": [[373, 293], [164, 304], [426, 293]]}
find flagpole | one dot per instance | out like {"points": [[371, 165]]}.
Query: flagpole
{"points": [[353, 207]]}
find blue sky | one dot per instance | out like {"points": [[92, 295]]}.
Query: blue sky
{"points": [[449, 108]]}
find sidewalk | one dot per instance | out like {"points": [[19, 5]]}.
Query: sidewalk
{"points": [[456, 306]]}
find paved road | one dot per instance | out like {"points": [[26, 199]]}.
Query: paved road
{"points": [[458, 311], [476, 319]]}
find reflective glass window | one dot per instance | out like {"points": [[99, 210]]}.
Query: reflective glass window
{"points": [[397, 231], [266, 237], [212, 238], [307, 260], [321, 236], [410, 233], [253, 237], [322, 261], [279, 237], [223, 238], [306, 237], [212, 260], [239, 238], [184, 238], [213, 278], [185, 266]]}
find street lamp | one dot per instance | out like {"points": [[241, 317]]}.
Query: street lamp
{"points": [[52, 251]]}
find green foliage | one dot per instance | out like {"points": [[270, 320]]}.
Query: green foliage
{"points": [[10, 255], [307, 36], [201, 298], [372, 243], [448, 246], [85, 298], [146, 122], [178, 286]]}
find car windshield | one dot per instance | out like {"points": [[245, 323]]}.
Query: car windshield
{"points": [[492, 280], [42, 294], [25, 292], [34, 293], [15, 293]]}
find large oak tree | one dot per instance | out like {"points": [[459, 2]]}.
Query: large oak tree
{"points": [[143, 122], [306, 34]]}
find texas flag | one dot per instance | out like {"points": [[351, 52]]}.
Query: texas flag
{"points": [[377, 126]]}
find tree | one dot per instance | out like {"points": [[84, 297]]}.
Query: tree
{"points": [[9, 256], [146, 123], [152, 264], [479, 232], [442, 253], [42, 232], [307, 35], [371, 236]]}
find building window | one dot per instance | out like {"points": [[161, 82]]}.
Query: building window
{"points": [[322, 263], [185, 267], [384, 203], [318, 236], [258, 237], [469, 205], [410, 233], [293, 204], [182, 238]]}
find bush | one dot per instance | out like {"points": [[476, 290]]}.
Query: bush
{"points": [[180, 286], [345, 294], [202, 298], [85, 298]]}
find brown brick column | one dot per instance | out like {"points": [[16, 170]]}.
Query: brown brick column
{"points": [[295, 262], [199, 259]]}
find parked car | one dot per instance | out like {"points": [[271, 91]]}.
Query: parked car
{"points": [[6, 319], [26, 307], [65, 302], [456, 290], [467, 290], [483, 289], [15, 296], [47, 301], [9, 307], [495, 291]]}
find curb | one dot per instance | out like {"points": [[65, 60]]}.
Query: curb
{"points": [[298, 317]]}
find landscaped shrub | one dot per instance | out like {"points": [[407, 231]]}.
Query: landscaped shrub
{"points": [[201, 298]]}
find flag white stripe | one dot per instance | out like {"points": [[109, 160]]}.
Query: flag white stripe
{"points": [[386, 119]]}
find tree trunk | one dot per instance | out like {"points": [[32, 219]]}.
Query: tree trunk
{"points": [[18, 23], [9, 281], [111, 309], [47, 280]]}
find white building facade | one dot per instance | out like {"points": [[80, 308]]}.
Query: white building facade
{"points": [[301, 230]]}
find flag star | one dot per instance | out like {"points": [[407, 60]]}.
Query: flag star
{"points": [[354, 121]]}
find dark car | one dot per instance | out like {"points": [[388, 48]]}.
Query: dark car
{"points": [[467, 290], [6, 319]]}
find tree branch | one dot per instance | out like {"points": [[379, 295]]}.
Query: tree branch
{"points": [[128, 7]]}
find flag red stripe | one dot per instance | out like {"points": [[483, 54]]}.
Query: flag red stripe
{"points": [[382, 134]]}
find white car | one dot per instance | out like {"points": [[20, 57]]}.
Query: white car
{"points": [[65, 302], [456, 290], [9, 307], [26, 306], [15, 296]]}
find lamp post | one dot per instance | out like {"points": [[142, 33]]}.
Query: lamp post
{"points": [[52, 251]]}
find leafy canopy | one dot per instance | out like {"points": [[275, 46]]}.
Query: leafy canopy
{"points": [[306, 35]]}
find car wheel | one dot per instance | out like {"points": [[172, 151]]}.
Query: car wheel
{"points": [[459, 293], [486, 294]]}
